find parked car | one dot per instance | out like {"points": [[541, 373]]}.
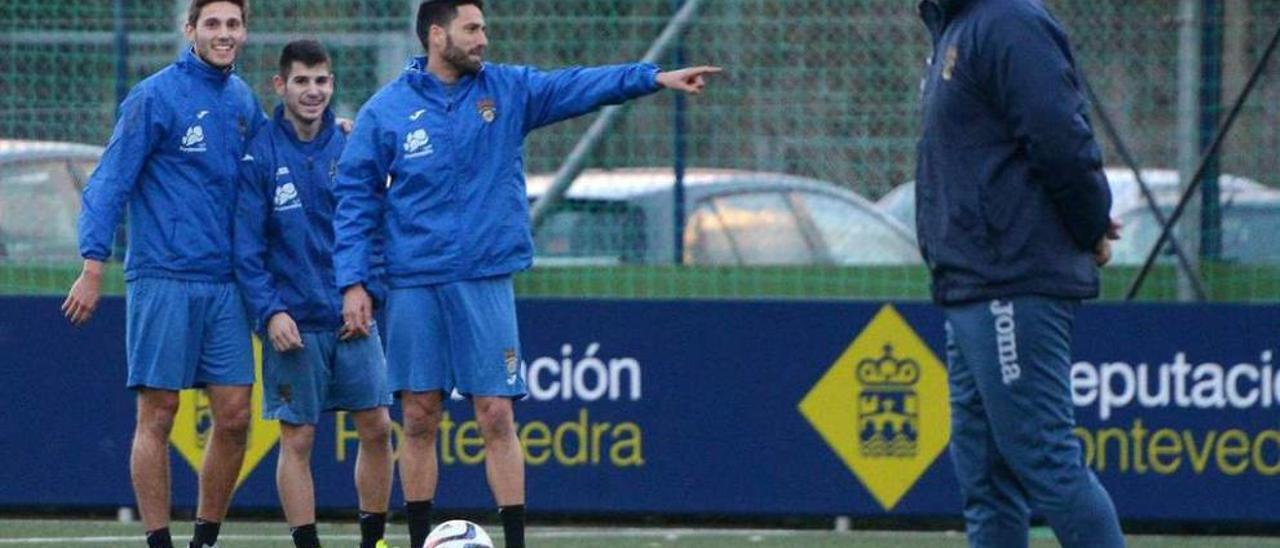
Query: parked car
{"points": [[626, 216], [1163, 183], [900, 202], [1250, 222], [1249, 211], [609, 216], [40, 186]]}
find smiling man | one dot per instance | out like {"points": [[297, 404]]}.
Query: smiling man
{"points": [[173, 158], [284, 263]]}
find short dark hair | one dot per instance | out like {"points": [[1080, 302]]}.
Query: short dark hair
{"points": [[193, 10], [439, 13], [308, 52]]}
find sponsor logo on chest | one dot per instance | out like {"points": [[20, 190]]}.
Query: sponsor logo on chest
{"points": [[286, 192], [417, 144]]}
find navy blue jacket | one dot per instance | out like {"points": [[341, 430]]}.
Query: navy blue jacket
{"points": [[455, 207], [173, 159], [1010, 193], [284, 225]]}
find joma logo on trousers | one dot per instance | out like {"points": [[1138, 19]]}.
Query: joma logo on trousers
{"points": [[1006, 341]]}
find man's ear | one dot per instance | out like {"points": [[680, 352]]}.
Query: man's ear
{"points": [[437, 36]]}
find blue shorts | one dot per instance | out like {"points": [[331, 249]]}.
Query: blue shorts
{"points": [[326, 374], [459, 335], [181, 334]]}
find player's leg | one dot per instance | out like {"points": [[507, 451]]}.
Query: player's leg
{"points": [[416, 358], [223, 457], [226, 369], [149, 456], [995, 509], [485, 344], [504, 457], [1024, 346], [504, 464], [419, 468], [358, 382], [373, 473], [293, 386], [161, 361], [294, 481]]}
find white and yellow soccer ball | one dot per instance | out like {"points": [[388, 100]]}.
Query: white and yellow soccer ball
{"points": [[458, 533]]}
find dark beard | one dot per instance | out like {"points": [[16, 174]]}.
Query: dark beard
{"points": [[462, 62]]}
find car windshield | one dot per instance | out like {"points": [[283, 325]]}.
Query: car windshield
{"points": [[750, 228]]}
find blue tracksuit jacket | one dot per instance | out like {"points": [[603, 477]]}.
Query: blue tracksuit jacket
{"points": [[1010, 192], [451, 162], [173, 158], [284, 225]]}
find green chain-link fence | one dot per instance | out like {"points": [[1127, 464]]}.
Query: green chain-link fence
{"points": [[823, 89]]}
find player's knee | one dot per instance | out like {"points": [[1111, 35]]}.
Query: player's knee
{"points": [[233, 423], [375, 439], [298, 443], [496, 417], [157, 424], [374, 428], [421, 421], [156, 411]]}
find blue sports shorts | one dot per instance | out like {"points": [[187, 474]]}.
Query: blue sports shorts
{"points": [[326, 374], [459, 335], [182, 334]]}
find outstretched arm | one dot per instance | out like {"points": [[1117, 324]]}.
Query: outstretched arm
{"points": [[562, 94]]}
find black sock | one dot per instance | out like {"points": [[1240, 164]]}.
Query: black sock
{"points": [[419, 515], [206, 533], [305, 536], [159, 538], [373, 525], [513, 524]]}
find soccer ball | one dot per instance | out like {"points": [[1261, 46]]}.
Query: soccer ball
{"points": [[458, 533]]}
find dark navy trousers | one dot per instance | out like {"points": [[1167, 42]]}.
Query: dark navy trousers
{"points": [[1009, 364]]}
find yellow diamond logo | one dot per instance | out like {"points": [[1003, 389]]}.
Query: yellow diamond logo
{"points": [[883, 407], [194, 422]]}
